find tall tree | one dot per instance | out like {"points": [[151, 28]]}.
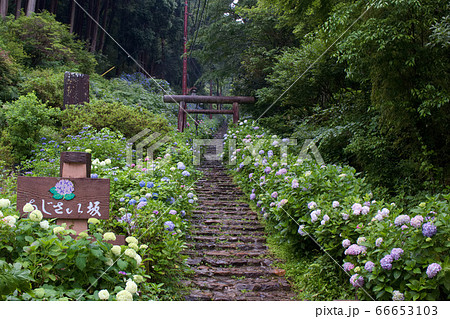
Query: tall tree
{"points": [[3, 8], [31, 7]]}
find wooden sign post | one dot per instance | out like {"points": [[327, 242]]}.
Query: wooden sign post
{"points": [[73, 198], [76, 89]]}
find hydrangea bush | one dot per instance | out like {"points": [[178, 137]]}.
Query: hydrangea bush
{"points": [[391, 253]]}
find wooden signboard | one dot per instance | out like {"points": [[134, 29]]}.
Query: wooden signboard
{"points": [[76, 89], [65, 198]]}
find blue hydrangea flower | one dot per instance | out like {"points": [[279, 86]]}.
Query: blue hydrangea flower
{"points": [[369, 266], [128, 195], [132, 202], [94, 175], [181, 166], [429, 229], [186, 173], [386, 262], [402, 220], [169, 226], [155, 195], [116, 179], [142, 183], [143, 199], [150, 184], [183, 213]]}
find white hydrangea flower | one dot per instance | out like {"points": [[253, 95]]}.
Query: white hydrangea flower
{"points": [[103, 294], [109, 236], [131, 287], [44, 224], [35, 216], [4, 203], [28, 208], [124, 295], [116, 250], [131, 239], [130, 252]]}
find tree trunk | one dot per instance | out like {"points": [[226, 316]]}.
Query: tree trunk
{"points": [[105, 13], [18, 8], [3, 8], [72, 16], [31, 7], [95, 26], [54, 6]]}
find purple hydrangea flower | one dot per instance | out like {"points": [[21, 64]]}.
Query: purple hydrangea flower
{"points": [[397, 296], [386, 262], [348, 266], [357, 281], [295, 184], [250, 175], [270, 154], [378, 241], [396, 253], [402, 220], [274, 195], [369, 266], [357, 207], [312, 205], [282, 203], [345, 216], [346, 243], [252, 196], [261, 152], [429, 229], [267, 170], [433, 269], [335, 204], [141, 205], [354, 250], [281, 171], [169, 225], [416, 221], [300, 230], [172, 212], [181, 166]]}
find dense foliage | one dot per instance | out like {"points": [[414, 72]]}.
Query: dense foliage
{"points": [[368, 80], [385, 249]]}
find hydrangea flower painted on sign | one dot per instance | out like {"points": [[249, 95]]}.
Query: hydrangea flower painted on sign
{"points": [[63, 190]]}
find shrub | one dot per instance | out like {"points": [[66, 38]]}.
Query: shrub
{"points": [[47, 42], [115, 116], [25, 119], [47, 84]]}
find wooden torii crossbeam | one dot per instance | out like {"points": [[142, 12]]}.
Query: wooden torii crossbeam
{"points": [[183, 99]]}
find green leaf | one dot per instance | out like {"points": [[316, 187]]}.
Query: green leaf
{"points": [[69, 196], [53, 190], [397, 274], [122, 264], [57, 196], [81, 262]]}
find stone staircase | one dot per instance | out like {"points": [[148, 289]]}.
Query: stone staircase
{"points": [[227, 248]]}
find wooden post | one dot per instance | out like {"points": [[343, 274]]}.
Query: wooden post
{"points": [[75, 165], [235, 112], [181, 117]]}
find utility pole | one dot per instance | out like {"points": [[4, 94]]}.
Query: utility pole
{"points": [[184, 48], [182, 107]]}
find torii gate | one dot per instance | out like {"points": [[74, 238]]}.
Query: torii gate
{"points": [[183, 99]]}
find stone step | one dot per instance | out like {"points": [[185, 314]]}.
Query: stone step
{"points": [[223, 246], [221, 210], [227, 261], [207, 216], [249, 239], [238, 223], [211, 232], [226, 253], [228, 227], [241, 272]]}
